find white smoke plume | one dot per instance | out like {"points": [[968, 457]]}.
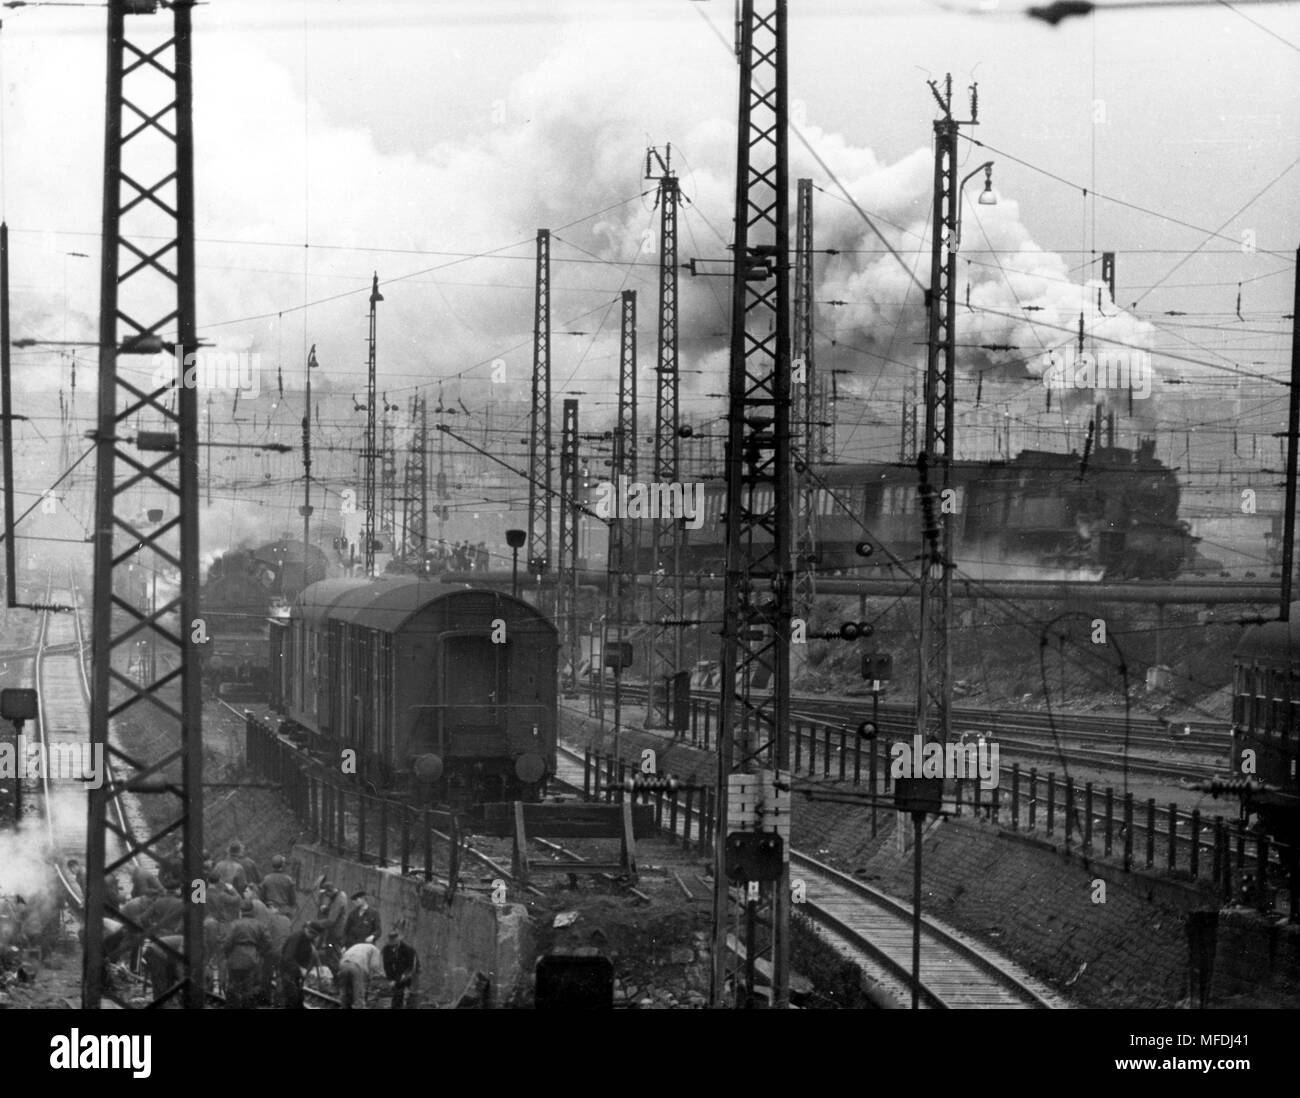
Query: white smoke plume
{"points": [[565, 141]]}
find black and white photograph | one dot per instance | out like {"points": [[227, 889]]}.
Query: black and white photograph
{"points": [[651, 505]]}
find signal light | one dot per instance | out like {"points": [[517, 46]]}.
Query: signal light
{"points": [[877, 666], [867, 730], [852, 630], [864, 548]]}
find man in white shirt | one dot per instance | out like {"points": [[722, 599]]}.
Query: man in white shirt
{"points": [[359, 963]]}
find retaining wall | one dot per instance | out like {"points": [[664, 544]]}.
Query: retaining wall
{"points": [[454, 939]]}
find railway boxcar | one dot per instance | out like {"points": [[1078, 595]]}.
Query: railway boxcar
{"points": [[449, 692], [1266, 721]]}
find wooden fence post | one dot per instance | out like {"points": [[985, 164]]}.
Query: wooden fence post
{"points": [[1128, 831]]}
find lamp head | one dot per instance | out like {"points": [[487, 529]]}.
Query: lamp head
{"points": [[987, 197]]}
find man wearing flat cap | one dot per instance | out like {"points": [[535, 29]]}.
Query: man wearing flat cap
{"points": [[362, 923], [401, 966], [297, 958], [332, 912]]}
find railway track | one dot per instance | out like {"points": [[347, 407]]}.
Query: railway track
{"points": [[62, 734], [875, 932], [1086, 740]]}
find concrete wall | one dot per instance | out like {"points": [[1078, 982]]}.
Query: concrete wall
{"points": [[1255, 952], [453, 940]]}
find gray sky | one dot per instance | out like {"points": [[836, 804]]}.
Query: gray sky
{"points": [[406, 136]]}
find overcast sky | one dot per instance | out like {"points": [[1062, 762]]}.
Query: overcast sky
{"points": [[405, 137]]}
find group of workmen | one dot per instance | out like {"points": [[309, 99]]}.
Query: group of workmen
{"points": [[250, 940]]}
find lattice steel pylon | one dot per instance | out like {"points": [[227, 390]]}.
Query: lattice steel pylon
{"points": [[566, 578], [417, 485], [934, 666], [907, 434], [539, 423], [147, 307], [666, 527], [369, 455], [753, 783], [388, 479], [620, 591], [805, 405]]}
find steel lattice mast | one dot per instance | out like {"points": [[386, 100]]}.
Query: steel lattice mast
{"points": [[804, 402], [417, 484], [539, 432], [934, 667], [754, 717], [907, 436], [388, 479], [566, 585], [370, 454], [147, 307], [620, 592], [666, 529]]}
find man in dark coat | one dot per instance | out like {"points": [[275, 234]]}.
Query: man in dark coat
{"points": [[231, 871], [297, 958], [401, 966], [278, 890], [362, 922], [247, 944], [252, 874], [332, 914]]}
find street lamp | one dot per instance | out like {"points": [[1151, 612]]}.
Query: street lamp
{"points": [[515, 539], [986, 198]]}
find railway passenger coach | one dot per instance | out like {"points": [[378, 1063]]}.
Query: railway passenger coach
{"points": [[449, 692]]}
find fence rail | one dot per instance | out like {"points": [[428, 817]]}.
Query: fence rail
{"points": [[1241, 863], [368, 827]]}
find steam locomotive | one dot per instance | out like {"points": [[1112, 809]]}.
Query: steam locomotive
{"points": [[244, 588], [1114, 515], [447, 693]]}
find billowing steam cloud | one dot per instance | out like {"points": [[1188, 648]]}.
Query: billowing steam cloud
{"points": [[564, 143]]}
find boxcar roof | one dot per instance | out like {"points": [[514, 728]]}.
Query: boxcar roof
{"points": [[387, 603], [1278, 640]]}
